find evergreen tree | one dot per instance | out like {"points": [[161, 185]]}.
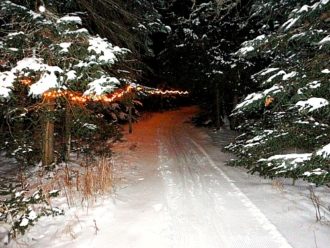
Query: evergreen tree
{"points": [[286, 127], [46, 57]]}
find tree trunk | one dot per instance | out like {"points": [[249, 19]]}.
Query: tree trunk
{"points": [[48, 133], [217, 107], [67, 135], [233, 120], [130, 127]]}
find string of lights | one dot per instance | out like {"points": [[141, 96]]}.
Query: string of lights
{"points": [[105, 98]]}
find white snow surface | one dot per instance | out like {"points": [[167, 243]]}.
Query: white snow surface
{"points": [[173, 190], [325, 40], [288, 24], [102, 85], [48, 79], [70, 19], [105, 50], [312, 104], [324, 151]]}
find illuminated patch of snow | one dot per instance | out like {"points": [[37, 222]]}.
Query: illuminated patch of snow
{"points": [[65, 46], [316, 172], [326, 71], [250, 99], [297, 35], [288, 24], [47, 81], [291, 156], [102, 85], [289, 75], [245, 50], [268, 70], [24, 222], [325, 40], [15, 34], [71, 75], [274, 89], [70, 19], [90, 126], [32, 215], [76, 32], [6, 82], [281, 72], [324, 151], [105, 50], [303, 9], [312, 104]]}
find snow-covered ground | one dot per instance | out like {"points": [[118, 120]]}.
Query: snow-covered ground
{"points": [[175, 191]]}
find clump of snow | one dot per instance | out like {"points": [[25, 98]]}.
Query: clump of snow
{"points": [[316, 172], [77, 32], [102, 85], [245, 50], [303, 9], [32, 215], [106, 52], [48, 79], [70, 19], [90, 126], [286, 161], [289, 75], [24, 222], [312, 104], [324, 151], [257, 96], [65, 46], [6, 82], [326, 71], [325, 40], [268, 70], [288, 24], [250, 99], [71, 75], [281, 72]]}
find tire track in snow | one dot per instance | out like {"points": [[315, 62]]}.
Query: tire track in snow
{"points": [[191, 225], [253, 209]]}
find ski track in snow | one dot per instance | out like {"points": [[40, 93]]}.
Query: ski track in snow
{"points": [[177, 193], [206, 207]]}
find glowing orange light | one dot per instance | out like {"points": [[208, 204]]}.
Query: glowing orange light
{"points": [[26, 81]]}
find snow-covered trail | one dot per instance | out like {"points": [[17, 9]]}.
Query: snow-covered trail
{"points": [[177, 192], [183, 198]]}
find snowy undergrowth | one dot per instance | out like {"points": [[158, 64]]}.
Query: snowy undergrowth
{"points": [[66, 190]]}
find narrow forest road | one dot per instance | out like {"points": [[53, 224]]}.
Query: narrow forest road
{"points": [[183, 198], [176, 192]]}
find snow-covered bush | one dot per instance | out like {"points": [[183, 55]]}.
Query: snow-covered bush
{"points": [[22, 211]]}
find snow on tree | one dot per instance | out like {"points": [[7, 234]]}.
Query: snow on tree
{"points": [[297, 117], [46, 56]]}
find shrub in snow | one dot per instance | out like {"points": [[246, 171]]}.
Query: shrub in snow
{"points": [[22, 211]]}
